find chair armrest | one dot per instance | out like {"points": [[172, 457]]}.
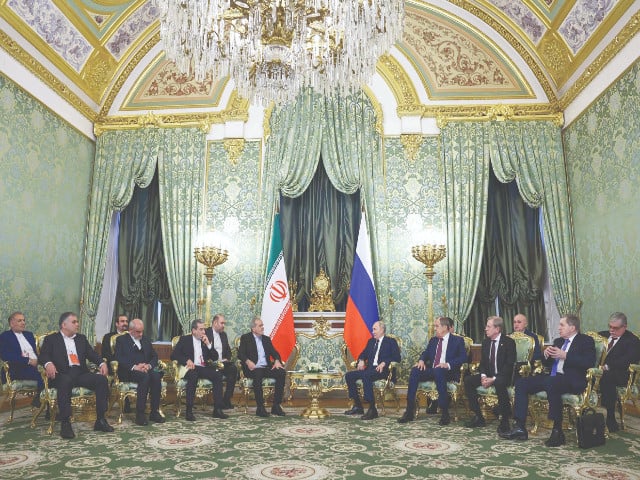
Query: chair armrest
{"points": [[43, 374], [473, 368], [114, 369]]}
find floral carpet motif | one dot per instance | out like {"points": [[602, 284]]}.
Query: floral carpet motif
{"points": [[293, 448]]}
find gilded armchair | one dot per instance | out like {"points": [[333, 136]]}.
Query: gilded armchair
{"points": [[15, 387], [630, 392]]}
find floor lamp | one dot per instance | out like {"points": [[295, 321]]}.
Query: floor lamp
{"points": [[210, 257], [429, 255]]}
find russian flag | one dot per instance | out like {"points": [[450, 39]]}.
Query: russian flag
{"points": [[362, 305]]}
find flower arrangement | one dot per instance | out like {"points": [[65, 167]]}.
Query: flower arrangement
{"points": [[314, 367]]}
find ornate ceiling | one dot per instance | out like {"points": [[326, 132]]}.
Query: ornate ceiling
{"points": [[103, 57]]}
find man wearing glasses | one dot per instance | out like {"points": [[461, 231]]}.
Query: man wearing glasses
{"points": [[623, 349]]}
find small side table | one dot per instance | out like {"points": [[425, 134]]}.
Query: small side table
{"points": [[314, 410]]}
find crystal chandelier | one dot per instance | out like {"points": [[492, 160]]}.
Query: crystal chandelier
{"points": [[274, 48]]}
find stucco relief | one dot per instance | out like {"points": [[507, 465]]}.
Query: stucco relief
{"points": [[522, 15], [132, 28], [583, 19], [168, 81], [55, 29], [453, 61]]}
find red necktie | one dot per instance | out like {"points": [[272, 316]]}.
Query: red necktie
{"points": [[437, 360]]}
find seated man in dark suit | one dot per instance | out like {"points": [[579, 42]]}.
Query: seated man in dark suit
{"points": [[122, 323], [520, 324], [441, 362], [373, 364], [64, 356], [18, 348], [261, 360], [193, 352], [569, 358], [623, 349], [496, 368], [138, 362], [219, 341]]}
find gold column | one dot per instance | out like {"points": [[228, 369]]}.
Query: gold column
{"points": [[210, 257], [429, 255]]}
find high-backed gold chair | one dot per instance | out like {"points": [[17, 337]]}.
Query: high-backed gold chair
{"points": [[630, 392], [15, 387], [124, 390], [428, 391], [573, 404], [204, 387], [385, 388], [81, 397], [268, 384], [525, 346]]}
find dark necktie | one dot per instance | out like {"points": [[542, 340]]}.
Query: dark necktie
{"points": [[375, 351], [436, 360], [492, 357], [554, 369], [611, 342]]}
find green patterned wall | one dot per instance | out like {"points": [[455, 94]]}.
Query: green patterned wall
{"points": [[603, 156], [45, 170]]}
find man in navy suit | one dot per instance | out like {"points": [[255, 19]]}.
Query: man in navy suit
{"points": [[261, 360], [498, 358], [64, 356], [373, 364], [18, 348], [623, 349], [520, 324], [138, 362], [193, 352], [219, 341], [441, 362], [569, 358]]}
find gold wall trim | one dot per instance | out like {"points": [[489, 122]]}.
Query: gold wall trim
{"points": [[37, 69], [515, 42], [483, 113], [614, 47], [234, 148], [411, 143], [401, 85], [377, 108]]}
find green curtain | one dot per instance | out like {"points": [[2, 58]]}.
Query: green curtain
{"points": [[342, 130], [513, 267], [142, 276], [128, 158], [531, 152], [319, 230], [466, 174]]}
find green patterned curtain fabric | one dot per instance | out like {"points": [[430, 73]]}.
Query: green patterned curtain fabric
{"points": [[466, 176], [531, 152]]}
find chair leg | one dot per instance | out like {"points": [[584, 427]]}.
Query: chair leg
{"points": [[178, 402], [12, 405], [121, 402], [37, 414], [621, 409], [53, 411]]}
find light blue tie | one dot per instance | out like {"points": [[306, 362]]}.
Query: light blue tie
{"points": [[554, 369]]}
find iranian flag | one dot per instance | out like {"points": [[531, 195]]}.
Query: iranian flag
{"points": [[277, 314]]}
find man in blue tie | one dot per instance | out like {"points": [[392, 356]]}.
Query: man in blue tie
{"points": [[569, 358], [373, 364], [441, 362]]}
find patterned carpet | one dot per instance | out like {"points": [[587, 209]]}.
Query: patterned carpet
{"points": [[248, 447]]}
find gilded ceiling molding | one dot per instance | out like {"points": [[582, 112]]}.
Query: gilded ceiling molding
{"points": [[614, 47], [514, 42], [401, 85], [411, 143], [266, 121], [42, 73], [556, 56], [502, 112], [98, 70], [377, 108], [234, 147]]}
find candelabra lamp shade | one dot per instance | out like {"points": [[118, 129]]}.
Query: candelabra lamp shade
{"points": [[429, 255], [210, 257]]}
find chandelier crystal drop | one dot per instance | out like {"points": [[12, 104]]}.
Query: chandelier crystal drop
{"points": [[272, 49]]}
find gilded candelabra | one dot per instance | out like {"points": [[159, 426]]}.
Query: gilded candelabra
{"points": [[429, 255], [210, 257]]}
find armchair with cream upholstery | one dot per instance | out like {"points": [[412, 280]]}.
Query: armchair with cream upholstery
{"points": [[428, 391], [15, 387], [573, 404], [82, 399]]}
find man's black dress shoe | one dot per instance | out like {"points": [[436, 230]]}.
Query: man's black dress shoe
{"points": [[189, 416], [218, 413], [516, 433], [475, 421], [355, 411], [141, 419], [445, 419], [156, 417], [277, 410], [66, 431], [556, 439], [371, 414], [612, 425], [406, 417], [504, 427], [101, 425], [262, 412]]}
